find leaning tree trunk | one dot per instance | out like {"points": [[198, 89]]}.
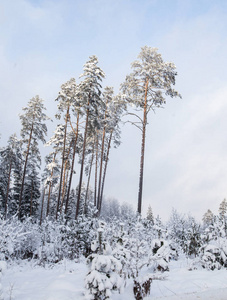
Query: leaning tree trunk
{"points": [[104, 172], [7, 192], [62, 165], [24, 172], [101, 163], [72, 165], [139, 209], [82, 162]]}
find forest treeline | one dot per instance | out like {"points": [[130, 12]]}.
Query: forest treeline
{"points": [[89, 119]]}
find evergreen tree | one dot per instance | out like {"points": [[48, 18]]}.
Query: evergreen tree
{"points": [[146, 87], [66, 98], [33, 130], [223, 208], [208, 217], [150, 216], [90, 95], [10, 157]]}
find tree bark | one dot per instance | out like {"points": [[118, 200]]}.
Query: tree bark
{"points": [[41, 215], [139, 209], [82, 162], [96, 171], [101, 163], [88, 182], [31, 199], [7, 192], [72, 165], [62, 166], [50, 186], [105, 168]]}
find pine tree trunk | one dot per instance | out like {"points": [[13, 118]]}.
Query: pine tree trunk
{"points": [[82, 162], [63, 160], [24, 172], [96, 171], [31, 199], [7, 192], [41, 215], [50, 186], [65, 176], [139, 209], [101, 163], [72, 165], [88, 182], [104, 172]]}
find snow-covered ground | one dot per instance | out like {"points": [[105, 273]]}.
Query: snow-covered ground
{"points": [[65, 281]]}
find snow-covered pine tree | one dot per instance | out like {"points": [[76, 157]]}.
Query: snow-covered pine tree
{"points": [[116, 107], [223, 208], [104, 274], [150, 216], [90, 95], [146, 87], [10, 158], [33, 130], [30, 203], [208, 217], [66, 98]]}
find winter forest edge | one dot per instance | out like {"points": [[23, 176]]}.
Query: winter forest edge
{"points": [[54, 218]]}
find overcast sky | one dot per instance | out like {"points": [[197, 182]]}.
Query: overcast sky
{"points": [[44, 43]]}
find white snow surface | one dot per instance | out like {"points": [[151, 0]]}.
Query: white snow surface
{"points": [[65, 281]]}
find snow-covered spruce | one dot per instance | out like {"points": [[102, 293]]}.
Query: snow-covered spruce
{"points": [[104, 275], [214, 255]]}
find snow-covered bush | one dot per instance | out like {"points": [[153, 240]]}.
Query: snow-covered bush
{"points": [[104, 274], [12, 238], [160, 255], [214, 255]]}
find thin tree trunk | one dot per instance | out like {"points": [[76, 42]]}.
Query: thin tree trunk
{"points": [[139, 209], [82, 162], [31, 199], [72, 165], [41, 215], [101, 163], [105, 168], [88, 182], [24, 172], [96, 171], [62, 166], [7, 192], [65, 176], [64, 189], [50, 186]]}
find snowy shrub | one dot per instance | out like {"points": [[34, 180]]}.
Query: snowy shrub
{"points": [[104, 274], [12, 238], [214, 255], [160, 255]]}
